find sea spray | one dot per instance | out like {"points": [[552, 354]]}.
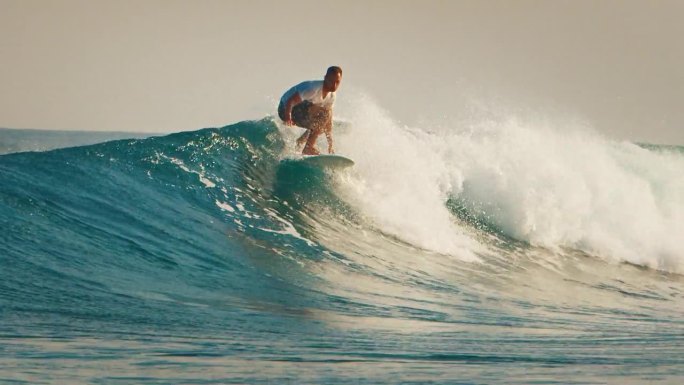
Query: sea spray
{"points": [[555, 184]]}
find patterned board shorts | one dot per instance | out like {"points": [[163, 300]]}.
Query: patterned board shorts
{"points": [[304, 114]]}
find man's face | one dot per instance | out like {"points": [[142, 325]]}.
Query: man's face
{"points": [[332, 81]]}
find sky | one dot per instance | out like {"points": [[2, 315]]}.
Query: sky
{"points": [[169, 65]]}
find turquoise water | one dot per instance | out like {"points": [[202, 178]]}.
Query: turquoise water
{"points": [[203, 258]]}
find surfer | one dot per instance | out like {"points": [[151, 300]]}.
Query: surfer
{"points": [[309, 105]]}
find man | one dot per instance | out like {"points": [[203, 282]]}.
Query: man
{"points": [[309, 105]]}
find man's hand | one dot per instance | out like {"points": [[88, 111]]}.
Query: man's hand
{"points": [[288, 120], [293, 101]]}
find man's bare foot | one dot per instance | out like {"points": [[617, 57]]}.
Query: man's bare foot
{"points": [[311, 151], [301, 141]]}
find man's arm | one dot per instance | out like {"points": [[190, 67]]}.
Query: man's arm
{"points": [[293, 101]]}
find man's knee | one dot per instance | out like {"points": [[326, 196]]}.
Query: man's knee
{"points": [[320, 112], [319, 117]]}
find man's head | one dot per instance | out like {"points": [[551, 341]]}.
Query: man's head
{"points": [[332, 79]]}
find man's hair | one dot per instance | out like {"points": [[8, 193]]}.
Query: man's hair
{"points": [[335, 69]]}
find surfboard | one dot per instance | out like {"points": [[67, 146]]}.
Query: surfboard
{"points": [[327, 161]]}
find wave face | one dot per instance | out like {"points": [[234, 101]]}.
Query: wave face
{"points": [[503, 252]]}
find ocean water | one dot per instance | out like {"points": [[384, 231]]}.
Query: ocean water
{"points": [[17, 140], [503, 252]]}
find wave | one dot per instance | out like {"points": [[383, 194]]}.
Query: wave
{"points": [[210, 198]]}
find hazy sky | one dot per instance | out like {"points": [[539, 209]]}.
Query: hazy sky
{"points": [[163, 65]]}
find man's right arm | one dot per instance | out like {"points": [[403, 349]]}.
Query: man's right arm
{"points": [[293, 101]]}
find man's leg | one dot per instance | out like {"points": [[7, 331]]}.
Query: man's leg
{"points": [[320, 117], [327, 129], [301, 114], [302, 139], [310, 147]]}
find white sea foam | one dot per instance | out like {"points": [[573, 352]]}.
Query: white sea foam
{"points": [[563, 186], [553, 184], [202, 178], [224, 206]]}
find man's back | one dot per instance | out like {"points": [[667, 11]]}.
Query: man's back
{"points": [[311, 91]]}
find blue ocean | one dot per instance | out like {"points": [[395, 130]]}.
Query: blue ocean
{"points": [[505, 252]]}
